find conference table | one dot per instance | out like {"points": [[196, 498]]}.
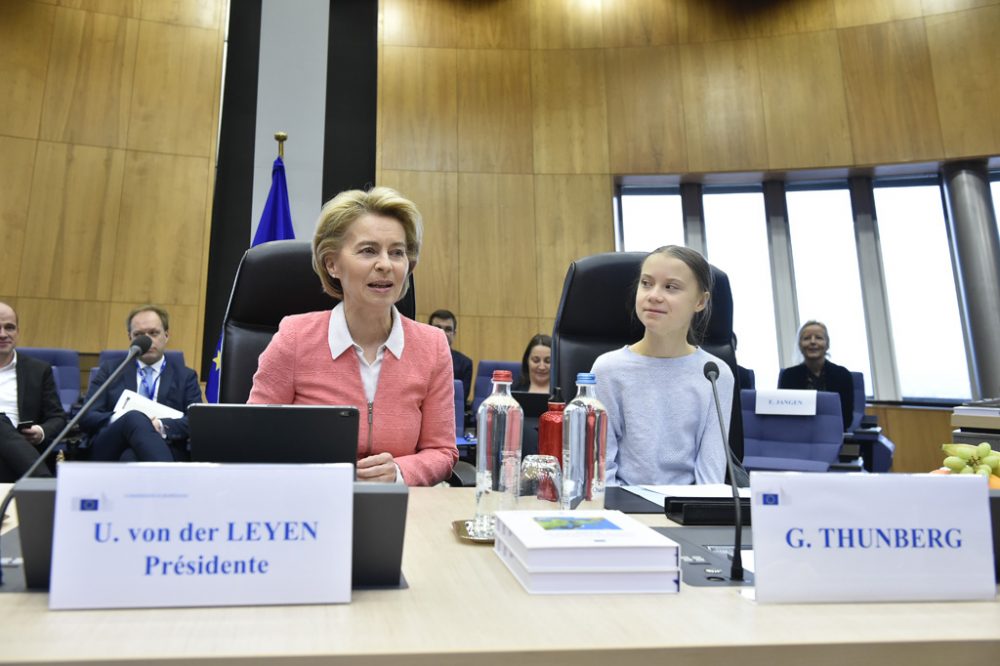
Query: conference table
{"points": [[462, 606]]}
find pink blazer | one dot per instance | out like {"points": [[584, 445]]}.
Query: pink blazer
{"points": [[413, 413]]}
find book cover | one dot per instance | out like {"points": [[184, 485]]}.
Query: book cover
{"points": [[584, 541], [634, 581]]}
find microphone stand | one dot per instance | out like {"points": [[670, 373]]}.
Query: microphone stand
{"points": [[139, 346], [736, 573]]}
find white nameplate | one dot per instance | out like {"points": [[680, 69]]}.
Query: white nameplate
{"points": [[169, 534], [871, 537], [788, 402]]}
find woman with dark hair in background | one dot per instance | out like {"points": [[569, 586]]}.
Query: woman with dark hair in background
{"points": [[536, 364], [817, 372]]}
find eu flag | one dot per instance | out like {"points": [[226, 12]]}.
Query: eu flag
{"points": [[275, 224]]}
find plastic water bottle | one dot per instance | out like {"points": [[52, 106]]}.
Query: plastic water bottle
{"points": [[499, 424], [585, 444]]}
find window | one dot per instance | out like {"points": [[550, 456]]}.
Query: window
{"points": [[736, 239], [651, 219], [920, 286], [827, 279], [995, 189]]}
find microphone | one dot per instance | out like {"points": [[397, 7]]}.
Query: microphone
{"points": [[140, 345], [712, 375]]}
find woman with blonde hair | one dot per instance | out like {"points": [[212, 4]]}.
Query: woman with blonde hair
{"points": [[363, 352]]}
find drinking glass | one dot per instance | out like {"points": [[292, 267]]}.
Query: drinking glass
{"points": [[540, 484]]}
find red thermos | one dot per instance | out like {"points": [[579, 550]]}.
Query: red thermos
{"points": [[550, 426]]}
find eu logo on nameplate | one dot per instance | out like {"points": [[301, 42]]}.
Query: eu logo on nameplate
{"points": [[871, 537], [167, 534]]}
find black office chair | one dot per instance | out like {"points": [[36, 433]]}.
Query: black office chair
{"points": [[274, 280], [597, 314]]}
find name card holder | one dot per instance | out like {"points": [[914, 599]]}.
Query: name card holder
{"points": [[167, 534], [786, 402], [871, 537]]}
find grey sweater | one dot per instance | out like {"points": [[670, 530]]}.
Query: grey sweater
{"points": [[662, 423]]}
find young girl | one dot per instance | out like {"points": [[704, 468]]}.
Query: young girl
{"points": [[662, 422]]}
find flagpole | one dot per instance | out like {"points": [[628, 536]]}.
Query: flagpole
{"points": [[281, 137]]}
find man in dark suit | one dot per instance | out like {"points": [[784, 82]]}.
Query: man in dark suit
{"points": [[30, 412], [461, 364], [133, 435]]}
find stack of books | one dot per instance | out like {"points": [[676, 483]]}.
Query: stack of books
{"points": [[977, 421], [586, 552]]}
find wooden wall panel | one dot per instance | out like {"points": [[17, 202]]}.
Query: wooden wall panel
{"points": [[197, 13], [174, 95], [158, 257], [89, 89], [966, 61], [570, 112], [25, 33], [639, 23], [73, 215], [645, 110], [940, 6], [15, 185], [497, 261], [436, 276], [800, 78], [494, 24], [802, 16], [127, 8], [419, 23], [890, 93], [419, 106], [862, 12], [494, 111], [73, 324], [723, 110], [566, 24], [495, 338], [573, 220], [712, 21], [918, 435]]}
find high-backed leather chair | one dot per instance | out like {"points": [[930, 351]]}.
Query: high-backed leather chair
{"points": [[274, 280], [597, 314]]}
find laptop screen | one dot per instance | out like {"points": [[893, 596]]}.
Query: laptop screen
{"points": [[273, 433]]}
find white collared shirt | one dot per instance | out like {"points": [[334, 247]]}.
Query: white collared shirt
{"points": [[8, 390], [339, 338], [157, 371]]}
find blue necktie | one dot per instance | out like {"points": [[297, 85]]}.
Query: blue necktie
{"points": [[147, 386]]}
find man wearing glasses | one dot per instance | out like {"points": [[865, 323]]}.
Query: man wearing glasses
{"points": [[132, 435], [461, 364]]}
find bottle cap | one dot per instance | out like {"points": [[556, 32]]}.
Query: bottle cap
{"points": [[503, 376], [586, 378]]}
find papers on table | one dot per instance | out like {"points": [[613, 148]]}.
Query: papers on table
{"points": [[132, 401], [659, 494]]}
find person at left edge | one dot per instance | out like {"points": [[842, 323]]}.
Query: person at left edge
{"points": [[27, 393], [134, 436], [363, 352]]}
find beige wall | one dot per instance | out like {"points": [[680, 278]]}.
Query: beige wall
{"points": [[110, 110], [507, 120]]}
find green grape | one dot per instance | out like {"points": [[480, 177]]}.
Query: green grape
{"points": [[983, 450], [993, 460], [985, 470], [967, 470], [954, 463], [965, 452]]}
